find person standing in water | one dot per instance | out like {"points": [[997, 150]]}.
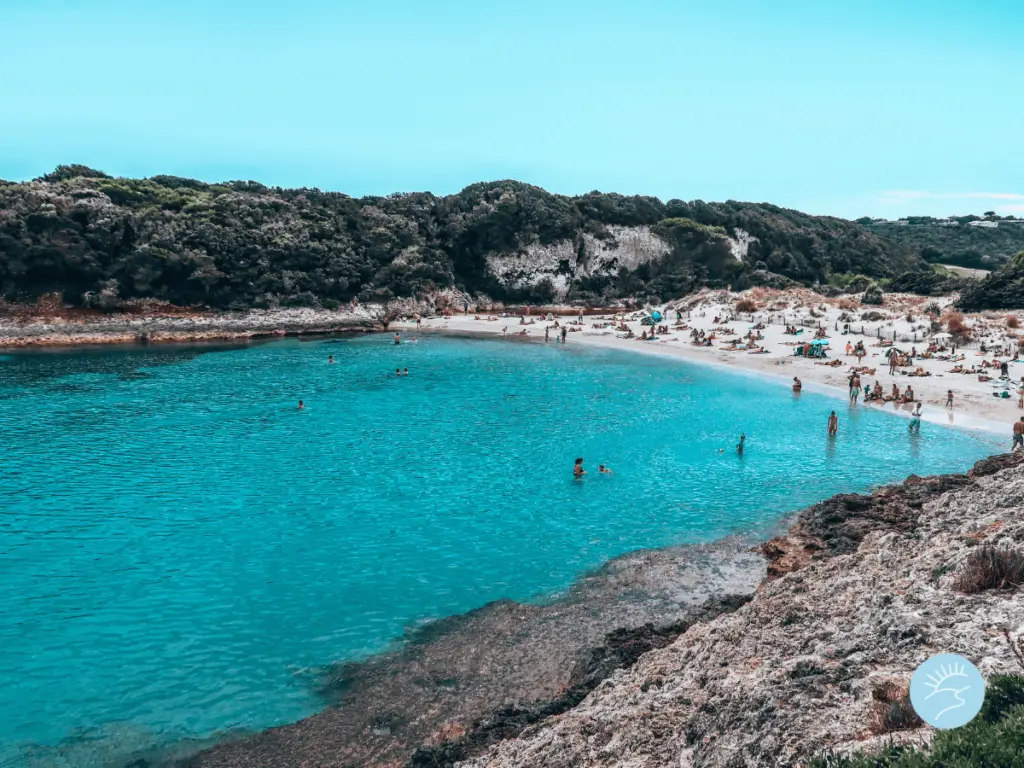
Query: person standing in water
{"points": [[330, 359], [741, 443], [1018, 434], [577, 470], [301, 405], [547, 332], [405, 372], [398, 371], [833, 424], [915, 419], [797, 384], [565, 332], [397, 339]]}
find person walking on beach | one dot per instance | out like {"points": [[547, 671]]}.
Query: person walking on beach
{"points": [[849, 348], [949, 398], [892, 362], [833, 424], [1018, 434], [577, 470], [854, 388]]}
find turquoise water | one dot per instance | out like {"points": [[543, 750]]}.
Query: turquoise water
{"points": [[181, 548]]}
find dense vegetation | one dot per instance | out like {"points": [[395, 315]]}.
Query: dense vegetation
{"points": [[98, 240], [995, 738], [977, 242], [1003, 289]]}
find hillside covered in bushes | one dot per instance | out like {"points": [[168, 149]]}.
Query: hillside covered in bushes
{"points": [[98, 240], [976, 242]]}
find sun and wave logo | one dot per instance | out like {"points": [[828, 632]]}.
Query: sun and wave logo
{"points": [[947, 691]]}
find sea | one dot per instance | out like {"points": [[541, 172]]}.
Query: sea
{"points": [[182, 547]]}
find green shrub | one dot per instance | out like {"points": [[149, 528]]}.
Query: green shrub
{"points": [[994, 739]]}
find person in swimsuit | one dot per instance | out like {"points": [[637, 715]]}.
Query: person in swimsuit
{"points": [[398, 340], [565, 332], [833, 424], [1018, 434], [949, 398], [398, 371], [405, 372], [603, 469], [797, 384], [330, 359], [301, 405], [741, 443], [854, 388], [577, 470]]}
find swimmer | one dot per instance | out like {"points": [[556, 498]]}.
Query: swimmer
{"points": [[578, 470], [412, 340], [604, 470], [398, 340], [833, 424], [330, 359], [405, 371], [741, 443], [797, 384], [301, 405], [398, 371]]}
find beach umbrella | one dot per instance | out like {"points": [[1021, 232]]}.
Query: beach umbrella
{"points": [[656, 315], [820, 342]]}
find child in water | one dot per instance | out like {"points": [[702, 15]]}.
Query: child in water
{"points": [[604, 470]]}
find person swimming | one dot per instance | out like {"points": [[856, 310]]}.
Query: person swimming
{"points": [[330, 359], [398, 371], [405, 371], [741, 443], [301, 405], [604, 470], [577, 469]]}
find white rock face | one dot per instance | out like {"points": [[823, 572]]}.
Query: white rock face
{"points": [[560, 262], [740, 244], [796, 670]]}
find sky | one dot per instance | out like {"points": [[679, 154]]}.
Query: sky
{"points": [[901, 107]]}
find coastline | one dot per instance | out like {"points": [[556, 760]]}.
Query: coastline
{"points": [[539, 687]]}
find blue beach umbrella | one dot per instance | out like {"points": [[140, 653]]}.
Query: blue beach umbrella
{"points": [[656, 315], [820, 342]]}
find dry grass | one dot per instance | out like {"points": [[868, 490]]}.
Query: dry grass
{"points": [[846, 303], [746, 306], [891, 709], [956, 325], [990, 567], [1012, 322]]}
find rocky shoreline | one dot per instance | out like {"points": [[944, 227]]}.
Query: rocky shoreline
{"points": [[63, 328], [716, 661]]}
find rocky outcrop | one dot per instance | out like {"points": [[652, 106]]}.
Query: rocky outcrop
{"points": [[861, 591], [562, 262]]}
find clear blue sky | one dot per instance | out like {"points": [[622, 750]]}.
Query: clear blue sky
{"points": [[869, 108]]}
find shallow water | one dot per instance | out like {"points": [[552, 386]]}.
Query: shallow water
{"points": [[181, 549]]}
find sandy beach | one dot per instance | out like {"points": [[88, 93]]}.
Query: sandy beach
{"points": [[977, 404]]}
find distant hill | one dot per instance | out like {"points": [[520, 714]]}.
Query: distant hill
{"points": [[977, 242], [1003, 289], [98, 240]]}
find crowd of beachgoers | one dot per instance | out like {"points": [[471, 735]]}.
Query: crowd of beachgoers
{"points": [[913, 354]]}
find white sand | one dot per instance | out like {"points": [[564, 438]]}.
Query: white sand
{"points": [[974, 407]]}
